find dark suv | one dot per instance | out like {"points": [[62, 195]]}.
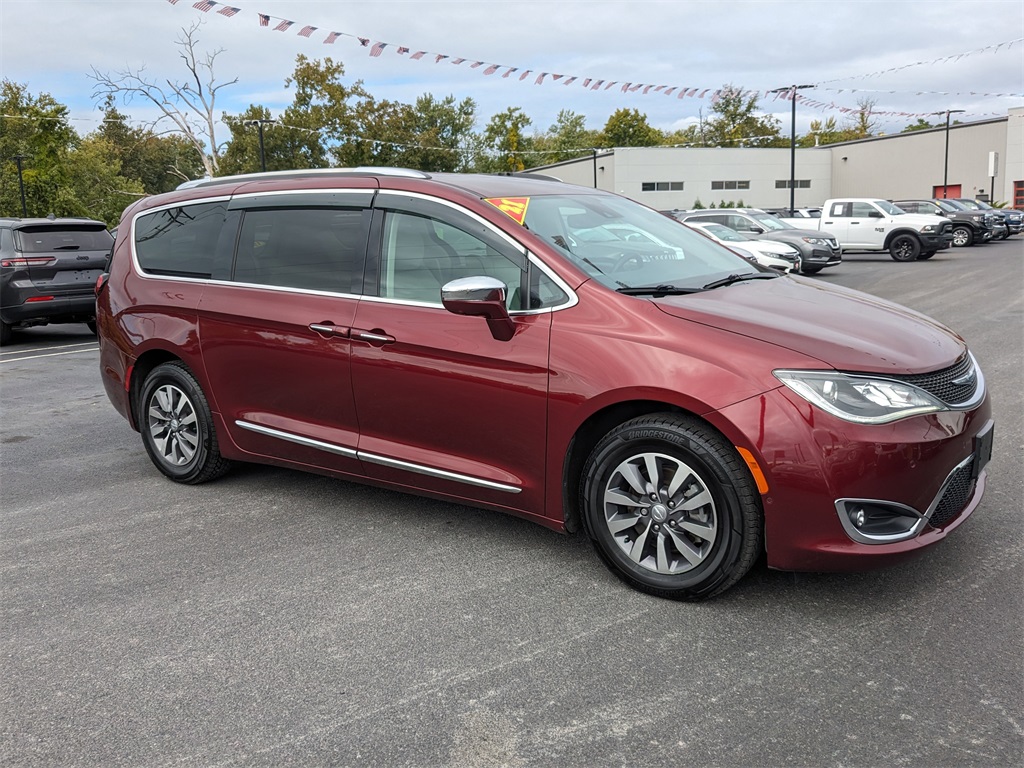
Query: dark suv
{"points": [[969, 227], [489, 340], [817, 249], [1012, 219], [48, 268]]}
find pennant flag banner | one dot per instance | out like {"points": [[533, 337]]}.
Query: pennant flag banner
{"points": [[542, 78]]}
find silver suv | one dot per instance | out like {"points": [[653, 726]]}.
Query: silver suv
{"points": [[817, 249], [48, 270]]}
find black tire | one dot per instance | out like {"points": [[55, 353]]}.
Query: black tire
{"points": [[701, 533], [905, 248], [810, 270], [177, 428], [6, 333], [963, 236], [925, 255], [92, 327]]}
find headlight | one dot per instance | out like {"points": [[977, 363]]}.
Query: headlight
{"points": [[815, 241], [928, 228], [860, 399]]}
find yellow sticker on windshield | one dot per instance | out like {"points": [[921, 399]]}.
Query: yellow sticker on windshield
{"points": [[513, 207]]}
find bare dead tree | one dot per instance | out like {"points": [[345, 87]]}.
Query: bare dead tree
{"points": [[187, 104]]}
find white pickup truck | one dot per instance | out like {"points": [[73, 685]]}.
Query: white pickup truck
{"points": [[868, 224]]}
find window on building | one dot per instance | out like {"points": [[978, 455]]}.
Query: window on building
{"points": [[661, 186], [730, 184], [799, 183], [1018, 194]]}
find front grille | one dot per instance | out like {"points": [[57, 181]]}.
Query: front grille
{"points": [[955, 498], [953, 385]]}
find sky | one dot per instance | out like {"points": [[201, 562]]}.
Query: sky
{"points": [[911, 57]]}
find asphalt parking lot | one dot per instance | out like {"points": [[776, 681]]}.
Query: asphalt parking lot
{"points": [[277, 618]]}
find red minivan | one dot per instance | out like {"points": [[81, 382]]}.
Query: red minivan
{"points": [[495, 341]]}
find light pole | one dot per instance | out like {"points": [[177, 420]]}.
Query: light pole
{"points": [[945, 166], [21, 185], [259, 124], [791, 90]]}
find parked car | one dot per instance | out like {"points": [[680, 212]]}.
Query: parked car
{"points": [[451, 335], [1014, 220], [47, 271], [817, 249], [795, 213], [969, 227], [767, 253]]}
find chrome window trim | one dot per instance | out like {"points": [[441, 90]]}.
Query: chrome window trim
{"points": [[571, 300], [374, 458], [137, 267]]}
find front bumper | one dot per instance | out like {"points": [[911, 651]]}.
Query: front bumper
{"points": [[816, 463], [936, 242]]}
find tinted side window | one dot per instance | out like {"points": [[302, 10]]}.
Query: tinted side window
{"points": [[179, 241], [863, 210], [421, 254], [318, 249]]}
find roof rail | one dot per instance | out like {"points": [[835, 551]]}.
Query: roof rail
{"points": [[360, 170]]}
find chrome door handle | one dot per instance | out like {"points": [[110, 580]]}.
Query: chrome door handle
{"points": [[329, 329], [373, 337]]}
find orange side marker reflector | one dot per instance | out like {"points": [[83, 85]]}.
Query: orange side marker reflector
{"points": [[755, 470]]}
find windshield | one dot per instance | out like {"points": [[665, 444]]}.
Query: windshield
{"points": [[948, 205], [889, 208], [623, 244], [970, 205]]}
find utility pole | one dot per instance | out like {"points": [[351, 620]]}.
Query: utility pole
{"points": [[791, 90], [259, 125], [21, 184]]}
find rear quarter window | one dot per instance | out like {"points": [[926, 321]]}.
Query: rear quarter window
{"points": [[180, 241]]}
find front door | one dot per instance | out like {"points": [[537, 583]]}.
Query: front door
{"points": [[443, 405]]}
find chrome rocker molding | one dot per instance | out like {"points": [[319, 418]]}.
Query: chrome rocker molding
{"points": [[375, 459]]}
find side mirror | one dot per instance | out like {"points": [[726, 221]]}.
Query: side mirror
{"points": [[757, 230], [480, 297], [875, 214]]}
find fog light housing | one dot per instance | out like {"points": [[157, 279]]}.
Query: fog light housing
{"points": [[871, 521]]}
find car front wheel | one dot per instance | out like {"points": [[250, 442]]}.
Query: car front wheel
{"points": [[905, 248], [671, 508], [963, 236], [177, 428]]}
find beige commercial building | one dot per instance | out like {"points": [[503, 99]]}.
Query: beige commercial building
{"points": [[985, 160]]}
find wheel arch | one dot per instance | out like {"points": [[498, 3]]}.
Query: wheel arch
{"points": [[902, 231], [590, 432], [141, 369]]}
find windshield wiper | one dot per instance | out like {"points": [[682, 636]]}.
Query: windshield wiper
{"points": [[736, 278], [656, 290]]}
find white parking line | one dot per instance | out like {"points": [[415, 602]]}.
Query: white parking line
{"points": [[54, 354], [10, 352]]}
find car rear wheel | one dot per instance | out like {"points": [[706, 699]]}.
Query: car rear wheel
{"points": [[671, 508], [905, 248], [963, 236], [5, 333], [91, 324], [177, 428]]}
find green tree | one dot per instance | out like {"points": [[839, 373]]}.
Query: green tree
{"points": [[507, 143], [161, 163], [285, 147], [736, 123], [921, 125], [95, 185], [568, 138], [629, 128], [442, 132], [37, 129]]}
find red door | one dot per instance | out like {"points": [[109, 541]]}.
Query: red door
{"points": [[950, 192]]}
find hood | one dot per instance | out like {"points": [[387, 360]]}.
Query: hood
{"points": [[795, 235], [771, 246], [844, 329]]}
